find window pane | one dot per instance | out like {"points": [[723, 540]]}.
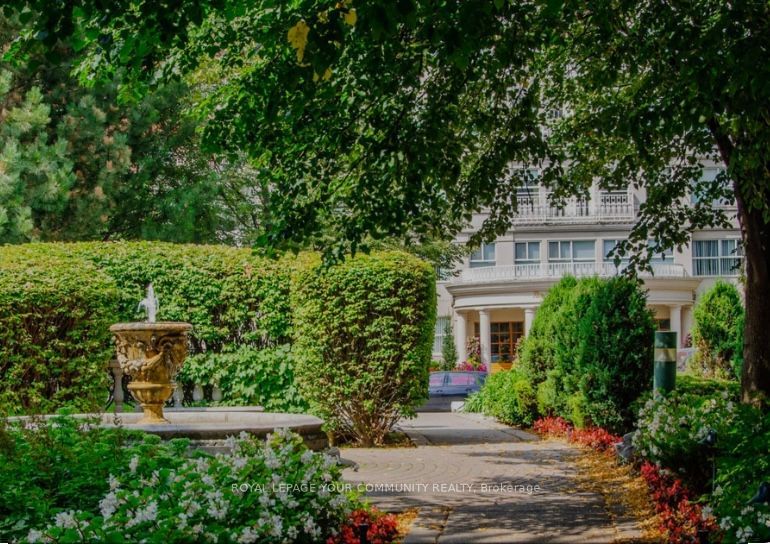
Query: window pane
{"points": [[707, 248], [564, 249], [728, 247], [461, 379], [583, 250], [608, 246], [521, 251], [436, 379], [534, 251], [476, 255], [489, 252], [553, 250]]}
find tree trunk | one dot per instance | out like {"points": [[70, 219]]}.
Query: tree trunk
{"points": [[755, 378]]}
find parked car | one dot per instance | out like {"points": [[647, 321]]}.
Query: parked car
{"points": [[444, 387]]}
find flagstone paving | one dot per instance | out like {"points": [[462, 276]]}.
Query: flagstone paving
{"points": [[475, 480]]}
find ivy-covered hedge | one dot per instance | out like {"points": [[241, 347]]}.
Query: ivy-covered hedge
{"points": [[58, 300], [363, 335]]}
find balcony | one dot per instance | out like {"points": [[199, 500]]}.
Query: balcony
{"points": [[546, 271], [535, 209]]}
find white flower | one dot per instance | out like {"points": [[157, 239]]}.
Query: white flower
{"points": [[198, 529], [66, 520], [239, 462], [108, 505], [292, 533], [114, 483], [34, 536], [133, 464], [306, 457], [148, 513], [248, 536], [244, 435], [230, 442]]}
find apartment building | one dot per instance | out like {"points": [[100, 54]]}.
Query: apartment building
{"points": [[496, 294]]}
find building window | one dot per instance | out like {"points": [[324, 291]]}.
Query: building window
{"points": [[504, 337], [527, 252], [483, 256], [707, 179], [660, 255], [439, 332], [528, 193], [571, 251], [608, 246], [663, 324], [716, 257]]}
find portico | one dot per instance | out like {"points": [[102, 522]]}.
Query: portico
{"points": [[499, 313]]}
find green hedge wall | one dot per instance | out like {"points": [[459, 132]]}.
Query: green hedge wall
{"points": [[73, 292], [58, 300], [362, 341]]}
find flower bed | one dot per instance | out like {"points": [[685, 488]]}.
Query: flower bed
{"points": [[381, 528], [681, 520], [65, 482], [593, 437]]}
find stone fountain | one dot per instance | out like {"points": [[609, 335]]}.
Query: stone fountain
{"points": [[151, 353]]}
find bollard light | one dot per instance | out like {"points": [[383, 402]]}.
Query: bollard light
{"points": [[664, 377]]}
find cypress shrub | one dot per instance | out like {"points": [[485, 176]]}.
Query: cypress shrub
{"points": [[717, 333]]}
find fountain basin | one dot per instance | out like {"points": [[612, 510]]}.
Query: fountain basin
{"points": [[208, 429]]}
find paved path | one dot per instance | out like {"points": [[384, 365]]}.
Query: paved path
{"points": [[474, 480]]}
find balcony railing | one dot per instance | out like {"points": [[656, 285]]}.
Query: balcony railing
{"points": [[610, 208], [539, 271]]}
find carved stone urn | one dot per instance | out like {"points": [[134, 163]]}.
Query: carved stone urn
{"points": [[152, 354]]}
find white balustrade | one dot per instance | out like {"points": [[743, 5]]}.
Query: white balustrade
{"points": [[559, 270], [610, 208]]}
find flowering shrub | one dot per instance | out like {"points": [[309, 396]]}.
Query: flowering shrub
{"points": [[680, 519], [471, 365], [669, 430], [383, 528], [271, 491], [595, 437]]}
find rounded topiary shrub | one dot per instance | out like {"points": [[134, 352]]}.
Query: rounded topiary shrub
{"points": [[363, 334], [717, 333]]}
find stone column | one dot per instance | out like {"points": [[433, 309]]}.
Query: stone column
{"points": [[461, 334], [485, 336], [529, 315], [675, 316]]}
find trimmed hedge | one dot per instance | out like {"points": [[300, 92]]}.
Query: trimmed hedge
{"points": [[58, 300], [362, 341], [55, 313]]}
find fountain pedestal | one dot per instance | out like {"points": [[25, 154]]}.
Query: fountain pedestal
{"points": [[152, 354]]}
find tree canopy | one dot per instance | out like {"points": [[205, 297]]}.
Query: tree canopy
{"points": [[381, 119]]}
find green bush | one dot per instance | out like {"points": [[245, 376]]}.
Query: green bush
{"points": [[717, 332], [448, 350], [589, 353], [55, 312], [614, 362], [65, 483], [363, 335], [507, 396], [537, 354]]}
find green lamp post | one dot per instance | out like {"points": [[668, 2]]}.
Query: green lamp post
{"points": [[665, 361]]}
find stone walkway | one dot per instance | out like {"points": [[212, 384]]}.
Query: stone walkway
{"points": [[474, 480]]}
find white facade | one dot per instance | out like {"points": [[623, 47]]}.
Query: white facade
{"points": [[498, 290]]}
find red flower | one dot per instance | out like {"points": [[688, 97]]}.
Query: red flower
{"points": [[383, 528]]}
